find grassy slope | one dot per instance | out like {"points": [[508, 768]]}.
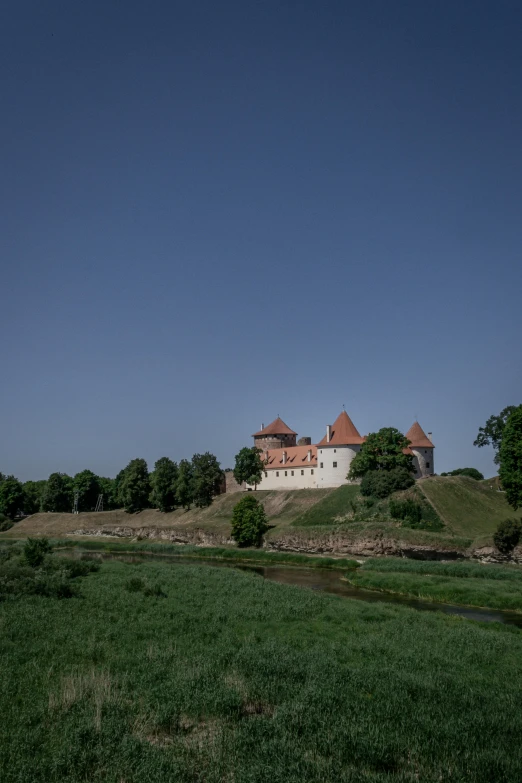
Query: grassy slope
{"points": [[231, 677], [468, 507], [282, 508]]}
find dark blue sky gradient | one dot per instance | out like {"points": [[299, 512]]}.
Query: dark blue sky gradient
{"points": [[214, 213]]}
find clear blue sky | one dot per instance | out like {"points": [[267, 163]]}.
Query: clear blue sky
{"points": [[215, 213]]}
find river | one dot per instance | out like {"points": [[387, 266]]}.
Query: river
{"points": [[328, 581]]}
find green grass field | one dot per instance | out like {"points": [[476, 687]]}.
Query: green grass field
{"points": [[465, 584], [468, 507], [232, 678]]}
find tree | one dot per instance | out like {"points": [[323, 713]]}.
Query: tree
{"points": [[87, 485], [249, 466], [11, 497], [510, 458], [33, 496], [184, 484], [35, 550], [507, 535], [206, 478], [249, 522], [381, 483], [109, 491], [135, 486], [470, 472], [163, 481], [382, 450], [491, 433], [58, 494]]}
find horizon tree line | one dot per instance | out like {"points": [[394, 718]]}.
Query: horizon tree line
{"points": [[169, 486]]}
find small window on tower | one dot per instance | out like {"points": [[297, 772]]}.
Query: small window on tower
{"points": [[427, 464], [335, 464], [321, 464]]}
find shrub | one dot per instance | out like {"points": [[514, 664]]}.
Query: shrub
{"points": [[508, 535], [382, 483], [81, 567], [138, 585], [5, 523], [249, 522], [406, 509], [470, 472], [135, 585], [35, 550]]}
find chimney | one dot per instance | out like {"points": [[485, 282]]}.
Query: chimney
{"points": [[309, 455], [429, 436], [284, 457], [262, 426], [328, 432]]}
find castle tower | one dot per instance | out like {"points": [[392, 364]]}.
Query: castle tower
{"points": [[422, 449], [276, 436], [336, 451]]}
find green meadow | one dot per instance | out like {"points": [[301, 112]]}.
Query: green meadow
{"points": [[161, 672]]}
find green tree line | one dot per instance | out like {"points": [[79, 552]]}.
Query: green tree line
{"points": [[169, 486]]}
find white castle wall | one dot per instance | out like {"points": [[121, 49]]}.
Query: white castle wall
{"points": [[423, 461], [341, 457], [289, 478]]}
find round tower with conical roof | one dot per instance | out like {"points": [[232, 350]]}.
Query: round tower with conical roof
{"points": [[422, 448], [336, 451], [276, 436]]}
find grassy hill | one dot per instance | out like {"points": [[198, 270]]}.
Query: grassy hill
{"points": [[309, 520], [281, 507], [468, 507]]}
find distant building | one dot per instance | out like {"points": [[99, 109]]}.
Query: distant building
{"points": [[292, 465]]}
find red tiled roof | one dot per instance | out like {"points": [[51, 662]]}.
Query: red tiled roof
{"points": [[418, 438], [296, 457], [344, 433], [278, 427]]}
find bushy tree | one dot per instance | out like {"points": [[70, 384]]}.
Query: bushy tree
{"points": [[58, 494], [249, 522], [382, 483], [249, 466], [382, 450], [87, 485], [491, 433], [507, 535], [206, 478], [163, 482], [33, 496], [470, 472], [510, 457], [135, 486], [11, 497], [184, 484]]}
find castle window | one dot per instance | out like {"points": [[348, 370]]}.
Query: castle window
{"points": [[335, 451], [335, 464], [277, 474], [291, 472], [266, 474], [427, 464], [286, 473], [312, 472], [321, 464], [425, 451], [302, 473]]}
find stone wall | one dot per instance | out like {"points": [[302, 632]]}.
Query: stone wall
{"points": [[231, 484]]}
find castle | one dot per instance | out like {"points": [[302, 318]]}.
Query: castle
{"points": [[297, 464]]}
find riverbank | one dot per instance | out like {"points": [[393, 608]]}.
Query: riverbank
{"points": [[465, 584], [238, 678]]}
